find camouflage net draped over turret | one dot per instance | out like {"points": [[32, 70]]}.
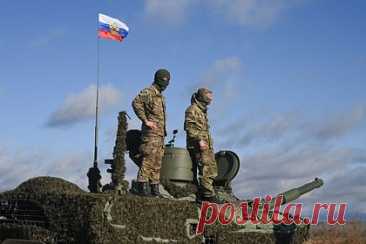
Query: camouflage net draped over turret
{"points": [[119, 163], [55, 211]]}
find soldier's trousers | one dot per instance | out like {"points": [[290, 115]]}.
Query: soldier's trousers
{"points": [[152, 151], [205, 162]]}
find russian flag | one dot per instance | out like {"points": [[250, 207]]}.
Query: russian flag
{"points": [[111, 28]]}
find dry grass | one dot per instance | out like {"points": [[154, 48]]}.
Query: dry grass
{"points": [[351, 233]]}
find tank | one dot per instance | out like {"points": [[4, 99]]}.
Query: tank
{"points": [[52, 210]]}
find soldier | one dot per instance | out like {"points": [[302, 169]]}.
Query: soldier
{"points": [[199, 144], [149, 106]]}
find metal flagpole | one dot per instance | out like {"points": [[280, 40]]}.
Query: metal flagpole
{"points": [[94, 173], [96, 110]]}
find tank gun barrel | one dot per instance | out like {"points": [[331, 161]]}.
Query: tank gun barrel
{"points": [[296, 193]]}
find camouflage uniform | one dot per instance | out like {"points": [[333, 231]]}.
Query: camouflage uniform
{"points": [[150, 105], [197, 128]]}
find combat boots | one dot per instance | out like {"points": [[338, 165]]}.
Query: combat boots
{"points": [[213, 199], [143, 189], [155, 190]]}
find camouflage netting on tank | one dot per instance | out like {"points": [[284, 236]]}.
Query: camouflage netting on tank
{"points": [[249, 237], [257, 236], [104, 218], [49, 184], [17, 231], [302, 233], [119, 163], [179, 191], [79, 217], [153, 218], [68, 214], [74, 216]]}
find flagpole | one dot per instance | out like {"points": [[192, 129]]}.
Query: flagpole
{"points": [[97, 109], [117, 30], [94, 173]]}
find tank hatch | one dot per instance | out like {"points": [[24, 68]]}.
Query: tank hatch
{"points": [[228, 165]]}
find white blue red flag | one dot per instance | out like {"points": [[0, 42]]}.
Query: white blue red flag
{"points": [[111, 28]]}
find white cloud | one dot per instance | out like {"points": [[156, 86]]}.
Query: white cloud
{"points": [[223, 77], [168, 10], [284, 152], [338, 125], [18, 166], [292, 127], [242, 12], [221, 72], [226, 65], [251, 12], [81, 106], [273, 171], [269, 131]]}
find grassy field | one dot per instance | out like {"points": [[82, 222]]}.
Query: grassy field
{"points": [[350, 233]]}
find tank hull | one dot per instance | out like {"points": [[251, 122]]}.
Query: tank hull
{"points": [[71, 215]]}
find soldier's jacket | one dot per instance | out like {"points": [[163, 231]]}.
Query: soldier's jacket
{"points": [[196, 125], [149, 104]]}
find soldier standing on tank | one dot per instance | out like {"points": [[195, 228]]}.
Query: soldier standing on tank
{"points": [[149, 106], [200, 146]]}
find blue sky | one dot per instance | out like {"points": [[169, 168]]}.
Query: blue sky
{"points": [[288, 79]]}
